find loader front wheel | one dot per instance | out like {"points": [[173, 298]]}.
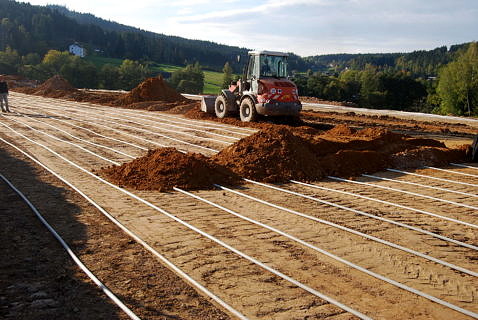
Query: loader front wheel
{"points": [[247, 110], [220, 107]]}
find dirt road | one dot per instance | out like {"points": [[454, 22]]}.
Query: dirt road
{"points": [[386, 249]]}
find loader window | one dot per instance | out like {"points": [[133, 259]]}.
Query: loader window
{"points": [[273, 66], [250, 68]]}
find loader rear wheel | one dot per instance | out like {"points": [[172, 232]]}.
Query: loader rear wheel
{"points": [[247, 110], [220, 107]]}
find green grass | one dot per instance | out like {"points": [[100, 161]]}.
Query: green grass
{"points": [[211, 88], [212, 79], [101, 61], [168, 67]]}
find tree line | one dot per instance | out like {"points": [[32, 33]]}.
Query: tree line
{"points": [[37, 29], [420, 63], [79, 72], [453, 91], [84, 74]]}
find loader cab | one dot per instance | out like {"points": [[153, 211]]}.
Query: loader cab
{"points": [[264, 64]]}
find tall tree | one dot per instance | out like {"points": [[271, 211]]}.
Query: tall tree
{"points": [[54, 60], [189, 79], [132, 73], [458, 83], [9, 61], [227, 76], [109, 77]]}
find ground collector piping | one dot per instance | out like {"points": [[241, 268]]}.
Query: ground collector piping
{"points": [[70, 252], [262, 265], [322, 251], [433, 178], [421, 185], [135, 237], [387, 203]]}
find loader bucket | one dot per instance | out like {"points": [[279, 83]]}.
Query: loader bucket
{"points": [[207, 104]]}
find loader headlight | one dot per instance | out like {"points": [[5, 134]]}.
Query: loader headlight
{"points": [[273, 90]]}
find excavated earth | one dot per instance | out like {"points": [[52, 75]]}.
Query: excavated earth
{"points": [[153, 94], [280, 153], [165, 168]]}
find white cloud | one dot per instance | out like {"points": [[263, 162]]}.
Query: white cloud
{"points": [[242, 11]]}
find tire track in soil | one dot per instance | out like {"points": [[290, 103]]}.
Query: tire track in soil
{"points": [[403, 267], [135, 129], [309, 266]]}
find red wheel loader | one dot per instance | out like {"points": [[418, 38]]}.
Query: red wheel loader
{"points": [[264, 89]]}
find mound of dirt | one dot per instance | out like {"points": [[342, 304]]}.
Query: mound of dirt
{"points": [[341, 130], [278, 154], [427, 156], [152, 89], [17, 81], [170, 107], [281, 153], [55, 86], [165, 168], [270, 155]]}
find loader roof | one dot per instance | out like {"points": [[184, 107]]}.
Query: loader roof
{"points": [[269, 53]]}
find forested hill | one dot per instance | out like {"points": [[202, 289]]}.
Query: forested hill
{"points": [[27, 28], [88, 18], [420, 63], [216, 61], [37, 29]]}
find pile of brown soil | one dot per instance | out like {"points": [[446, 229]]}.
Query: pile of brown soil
{"points": [[341, 130], [335, 103], [17, 81], [170, 107], [153, 94], [152, 89], [165, 168], [281, 153], [270, 155], [55, 86], [277, 154]]}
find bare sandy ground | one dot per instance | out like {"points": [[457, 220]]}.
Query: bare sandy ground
{"points": [[155, 293]]}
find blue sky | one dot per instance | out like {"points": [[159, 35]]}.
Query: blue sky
{"points": [[305, 27]]}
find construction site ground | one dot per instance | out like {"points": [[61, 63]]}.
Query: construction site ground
{"points": [[40, 281]]}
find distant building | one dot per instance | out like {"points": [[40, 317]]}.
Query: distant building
{"points": [[77, 50]]}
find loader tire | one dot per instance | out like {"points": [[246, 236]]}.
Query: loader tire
{"points": [[220, 107], [247, 110]]}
